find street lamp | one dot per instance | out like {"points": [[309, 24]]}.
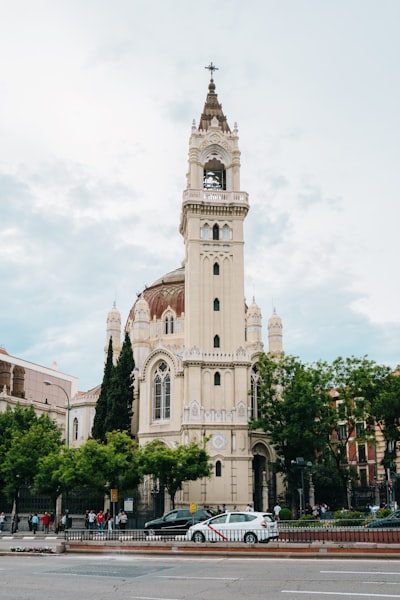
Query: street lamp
{"points": [[46, 382], [302, 465]]}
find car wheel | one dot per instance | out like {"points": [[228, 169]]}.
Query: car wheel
{"points": [[250, 538], [198, 537]]}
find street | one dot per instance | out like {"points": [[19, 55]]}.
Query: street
{"points": [[100, 577]]}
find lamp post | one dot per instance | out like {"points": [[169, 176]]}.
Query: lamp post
{"points": [[302, 465], [46, 382]]}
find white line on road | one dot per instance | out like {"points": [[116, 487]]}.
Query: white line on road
{"points": [[364, 572], [358, 594], [202, 578]]}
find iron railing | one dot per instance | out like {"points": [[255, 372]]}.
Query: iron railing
{"points": [[287, 534]]}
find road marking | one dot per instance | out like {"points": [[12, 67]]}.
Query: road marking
{"points": [[202, 578], [364, 572], [358, 594], [151, 598]]}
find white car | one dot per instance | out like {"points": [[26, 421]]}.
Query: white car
{"points": [[249, 527]]}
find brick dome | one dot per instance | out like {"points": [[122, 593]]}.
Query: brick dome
{"points": [[169, 290]]}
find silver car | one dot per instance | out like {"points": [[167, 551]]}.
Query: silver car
{"points": [[249, 527]]}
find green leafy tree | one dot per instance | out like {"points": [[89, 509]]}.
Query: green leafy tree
{"points": [[356, 384], [120, 396], [99, 422], [386, 409], [292, 408], [56, 473], [94, 466], [26, 438], [173, 466]]}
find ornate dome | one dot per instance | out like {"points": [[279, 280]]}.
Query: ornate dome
{"points": [[169, 290]]}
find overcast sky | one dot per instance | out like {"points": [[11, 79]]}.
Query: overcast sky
{"points": [[97, 99]]}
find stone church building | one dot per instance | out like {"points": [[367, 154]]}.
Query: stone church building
{"points": [[196, 341]]}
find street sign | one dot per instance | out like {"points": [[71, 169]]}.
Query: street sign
{"points": [[114, 495]]}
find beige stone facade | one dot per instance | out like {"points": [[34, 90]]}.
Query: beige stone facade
{"points": [[195, 340]]}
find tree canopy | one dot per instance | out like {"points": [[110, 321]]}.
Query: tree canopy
{"points": [[173, 466]]}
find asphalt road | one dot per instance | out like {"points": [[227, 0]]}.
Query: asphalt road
{"points": [[101, 577]]}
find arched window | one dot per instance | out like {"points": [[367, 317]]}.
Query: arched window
{"points": [[255, 386], [205, 232], [216, 341], [217, 378], [168, 324], [75, 429], [216, 304], [226, 233], [161, 392], [218, 469], [216, 232], [216, 269]]}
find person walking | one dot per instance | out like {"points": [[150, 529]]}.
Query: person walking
{"points": [[46, 522], [123, 519], [100, 521], [91, 519], [277, 510], [35, 523], [2, 521]]}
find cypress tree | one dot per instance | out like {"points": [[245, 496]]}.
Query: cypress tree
{"points": [[120, 397], [99, 424]]}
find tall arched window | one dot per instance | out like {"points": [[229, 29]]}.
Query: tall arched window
{"points": [[217, 378], [168, 324], [205, 232], [216, 269], [216, 304], [216, 232], [218, 469], [75, 429], [255, 386], [226, 233], [216, 341], [161, 392]]}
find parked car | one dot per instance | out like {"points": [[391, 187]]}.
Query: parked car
{"points": [[178, 520], [249, 527], [392, 520]]}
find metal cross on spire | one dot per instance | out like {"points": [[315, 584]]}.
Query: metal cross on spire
{"points": [[212, 68]]}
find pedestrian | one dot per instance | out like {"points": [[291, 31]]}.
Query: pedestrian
{"points": [[249, 508], [51, 524], [46, 522], [30, 521], [123, 519], [35, 523], [2, 521], [91, 519], [100, 521], [277, 510]]}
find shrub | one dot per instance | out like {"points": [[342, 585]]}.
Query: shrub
{"points": [[285, 514], [348, 519]]}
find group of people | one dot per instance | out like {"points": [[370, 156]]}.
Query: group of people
{"points": [[103, 520]]}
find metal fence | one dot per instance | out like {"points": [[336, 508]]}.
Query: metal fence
{"points": [[287, 534]]}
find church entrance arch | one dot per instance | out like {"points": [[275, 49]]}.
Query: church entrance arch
{"points": [[261, 476]]}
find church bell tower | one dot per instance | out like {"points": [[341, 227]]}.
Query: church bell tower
{"points": [[213, 212]]}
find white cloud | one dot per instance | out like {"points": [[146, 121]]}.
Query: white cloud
{"points": [[96, 104]]}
